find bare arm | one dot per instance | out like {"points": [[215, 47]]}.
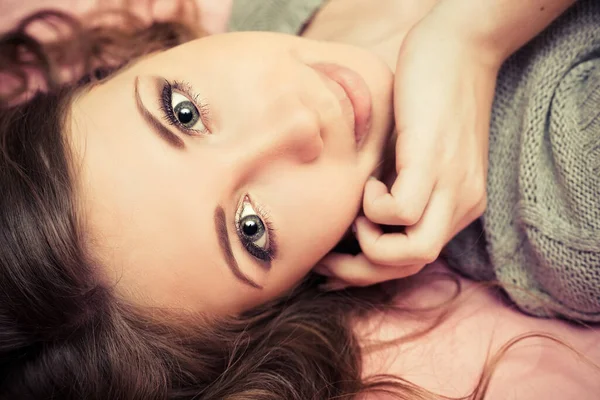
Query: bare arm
{"points": [[500, 26]]}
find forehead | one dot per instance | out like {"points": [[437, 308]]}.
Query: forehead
{"points": [[137, 197]]}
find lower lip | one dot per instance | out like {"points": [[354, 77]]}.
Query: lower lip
{"points": [[357, 91]]}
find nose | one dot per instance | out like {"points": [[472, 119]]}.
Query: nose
{"points": [[288, 134], [297, 136]]}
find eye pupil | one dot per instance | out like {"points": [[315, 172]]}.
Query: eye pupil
{"points": [[252, 226], [186, 113]]}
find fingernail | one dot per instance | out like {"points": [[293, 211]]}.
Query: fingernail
{"points": [[372, 178], [353, 227]]}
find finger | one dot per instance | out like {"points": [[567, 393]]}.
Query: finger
{"points": [[418, 244], [406, 202], [360, 271], [333, 285], [378, 204], [412, 188], [322, 269], [382, 248]]}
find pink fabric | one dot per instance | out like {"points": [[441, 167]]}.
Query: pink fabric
{"points": [[214, 13], [449, 360]]}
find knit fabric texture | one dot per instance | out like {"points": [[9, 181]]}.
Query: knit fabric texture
{"points": [[286, 16], [540, 234]]}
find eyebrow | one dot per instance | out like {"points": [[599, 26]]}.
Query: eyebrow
{"points": [[222, 235], [164, 133]]}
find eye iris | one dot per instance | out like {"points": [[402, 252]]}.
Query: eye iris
{"points": [[186, 113], [252, 227]]}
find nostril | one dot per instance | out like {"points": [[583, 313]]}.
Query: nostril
{"points": [[312, 150]]}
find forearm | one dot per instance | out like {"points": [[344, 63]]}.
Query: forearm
{"points": [[500, 26]]}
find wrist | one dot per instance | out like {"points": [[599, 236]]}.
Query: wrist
{"points": [[447, 42], [496, 28], [452, 24]]}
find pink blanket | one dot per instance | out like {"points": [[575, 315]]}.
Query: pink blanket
{"points": [[450, 359]]}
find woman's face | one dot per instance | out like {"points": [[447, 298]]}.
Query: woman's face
{"points": [[213, 176]]}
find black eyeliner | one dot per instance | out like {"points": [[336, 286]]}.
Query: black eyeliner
{"points": [[166, 97], [264, 256]]}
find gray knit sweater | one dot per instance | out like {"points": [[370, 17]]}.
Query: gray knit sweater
{"points": [[540, 235]]}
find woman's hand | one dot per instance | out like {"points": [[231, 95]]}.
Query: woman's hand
{"points": [[443, 96], [444, 88]]}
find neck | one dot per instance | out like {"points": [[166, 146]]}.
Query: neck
{"points": [[380, 29]]}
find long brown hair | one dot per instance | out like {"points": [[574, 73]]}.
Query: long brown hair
{"points": [[65, 334]]}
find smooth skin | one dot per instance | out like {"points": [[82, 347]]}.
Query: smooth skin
{"points": [[275, 140]]}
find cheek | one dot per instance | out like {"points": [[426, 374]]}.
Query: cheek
{"points": [[311, 216], [313, 211]]}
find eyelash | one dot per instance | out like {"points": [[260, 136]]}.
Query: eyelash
{"points": [[262, 255], [167, 109]]}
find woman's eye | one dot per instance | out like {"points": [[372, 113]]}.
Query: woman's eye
{"points": [[252, 228], [185, 112], [255, 232], [179, 110]]}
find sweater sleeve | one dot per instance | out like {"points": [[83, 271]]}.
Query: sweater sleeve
{"points": [[286, 16], [541, 230], [559, 197]]}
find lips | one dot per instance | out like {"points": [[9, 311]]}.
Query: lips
{"points": [[357, 91]]}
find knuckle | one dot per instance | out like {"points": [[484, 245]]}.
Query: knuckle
{"points": [[374, 255], [372, 209], [367, 244], [372, 212], [369, 199], [369, 212], [429, 254], [378, 255], [358, 278], [430, 257], [413, 269], [408, 216]]}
